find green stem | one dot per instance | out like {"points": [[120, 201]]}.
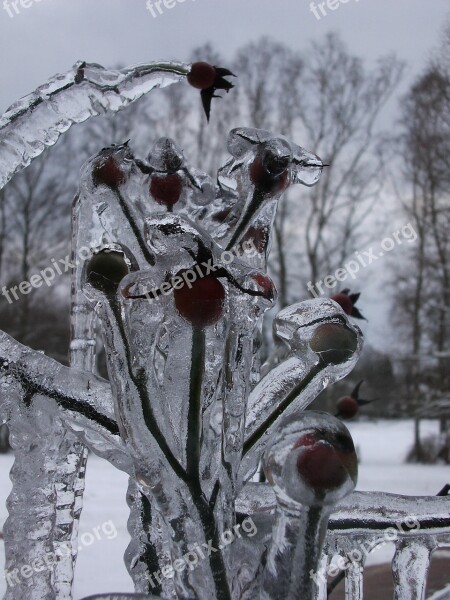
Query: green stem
{"points": [[284, 404], [136, 230], [190, 478], [216, 559], [150, 555], [140, 382], [194, 432], [193, 455], [254, 205]]}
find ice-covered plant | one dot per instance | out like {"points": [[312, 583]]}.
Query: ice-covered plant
{"points": [[176, 281]]}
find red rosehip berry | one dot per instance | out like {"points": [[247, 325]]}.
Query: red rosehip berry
{"points": [[202, 75], [309, 439], [266, 285], [344, 302], [347, 407], [108, 173], [258, 236], [321, 467], [326, 459], [202, 304], [265, 180], [166, 189], [347, 302], [334, 343]]}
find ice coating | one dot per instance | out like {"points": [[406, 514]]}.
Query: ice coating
{"points": [[295, 383], [187, 418], [361, 522], [410, 569], [113, 202], [297, 481], [251, 183], [311, 464], [33, 406], [140, 212], [170, 265], [26, 129], [37, 120], [123, 597], [304, 167]]}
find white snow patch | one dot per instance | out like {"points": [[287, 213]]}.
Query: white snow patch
{"points": [[382, 447]]}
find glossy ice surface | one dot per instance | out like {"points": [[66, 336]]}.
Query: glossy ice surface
{"points": [[174, 277]]}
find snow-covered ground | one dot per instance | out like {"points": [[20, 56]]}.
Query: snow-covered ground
{"points": [[382, 447]]}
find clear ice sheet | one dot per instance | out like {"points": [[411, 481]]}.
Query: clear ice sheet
{"points": [[37, 120]]}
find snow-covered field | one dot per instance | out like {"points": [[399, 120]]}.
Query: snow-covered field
{"points": [[382, 447]]}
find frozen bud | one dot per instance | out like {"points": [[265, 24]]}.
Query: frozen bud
{"points": [[319, 326], [269, 170], [108, 173], [166, 157], [335, 343], [311, 460], [245, 139], [265, 285], [106, 270], [111, 166]]}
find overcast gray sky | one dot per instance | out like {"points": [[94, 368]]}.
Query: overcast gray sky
{"points": [[50, 35]]}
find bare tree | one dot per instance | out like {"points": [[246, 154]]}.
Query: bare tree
{"points": [[327, 101], [37, 217], [422, 306], [339, 107]]}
